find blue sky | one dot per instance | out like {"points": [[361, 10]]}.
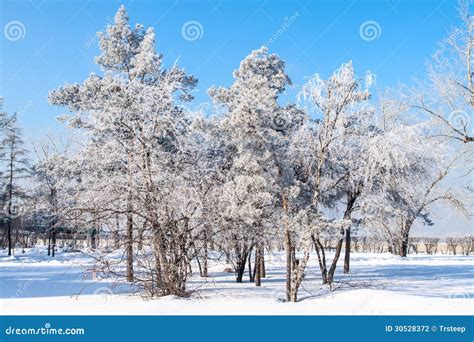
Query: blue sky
{"points": [[58, 43]]}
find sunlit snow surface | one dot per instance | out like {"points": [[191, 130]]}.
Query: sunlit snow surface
{"points": [[32, 283]]}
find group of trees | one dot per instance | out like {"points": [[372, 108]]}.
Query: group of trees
{"points": [[168, 185]]}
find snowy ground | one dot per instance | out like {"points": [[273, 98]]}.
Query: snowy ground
{"points": [[31, 283]]}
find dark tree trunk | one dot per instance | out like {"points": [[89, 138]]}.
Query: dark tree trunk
{"points": [[404, 245], [129, 244], [93, 240], [241, 254], [321, 258], [347, 252], [9, 234], [9, 207], [53, 242], [347, 215], [205, 267], [293, 258], [49, 243], [240, 269], [351, 198], [258, 267], [140, 239], [332, 269], [251, 277], [289, 263], [199, 265], [129, 239], [288, 248], [205, 256], [117, 232], [159, 274], [263, 272]]}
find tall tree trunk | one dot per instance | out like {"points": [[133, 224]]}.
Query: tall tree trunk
{"points": [[404, 247], [403, 250], [49, 243], [258, 267], [404, 244], [240, 269], [9, 234], [53, 242], [291, 289], [140, 238], [263, 272], [351, 198], [332, 269], [298, 276], [289, 263], [10, 198], [251, 277], [347, 252], [321, 258], [241, 254], [347, 216], [117, 232], [158, 267], [129, 243], [93, 240], [205, 255], [293, 258]]}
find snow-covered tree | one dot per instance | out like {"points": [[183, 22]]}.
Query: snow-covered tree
{"points": [[52, 191], [15, 168], [132, 111], [446, 98], [257, 128], [412, 180], [325, 171]]}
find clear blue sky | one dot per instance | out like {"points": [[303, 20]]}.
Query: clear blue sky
{"points": [[59, 42]]}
